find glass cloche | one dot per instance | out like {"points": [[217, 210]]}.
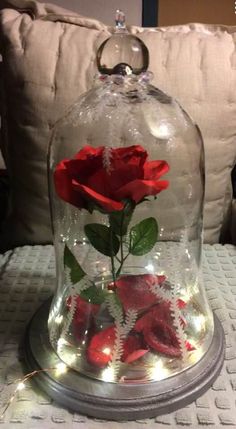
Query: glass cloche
{"points": [[127, 189]]}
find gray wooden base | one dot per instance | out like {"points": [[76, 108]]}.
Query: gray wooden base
{"points": [[118, 401]]}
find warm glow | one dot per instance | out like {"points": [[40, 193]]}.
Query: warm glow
{"points": [[199, 322], [20, 386], [158, 372], [150, 268], [108, 374], [58, 320], [71, 359], [106, 351], [61, 368], [61, 342]]}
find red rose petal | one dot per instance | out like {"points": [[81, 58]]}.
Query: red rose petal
{"points": [[83, 306], [101, 346], [132, 343], [181, 303], [135, 291], [138, 189], [137, 354], [158, 312], [62, 181], [106, 203], [162, 338], [130, 175], [90, 152], [135, 153], [99, 351], [83, 319], [189, 346], [153, 170]]}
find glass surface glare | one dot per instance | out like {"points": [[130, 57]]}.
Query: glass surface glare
{"points": [[130, 305]]}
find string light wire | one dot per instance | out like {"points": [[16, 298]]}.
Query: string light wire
{"points": [[60, 368]]}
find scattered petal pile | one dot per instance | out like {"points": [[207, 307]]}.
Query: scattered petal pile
{"points": [[153, 331]]}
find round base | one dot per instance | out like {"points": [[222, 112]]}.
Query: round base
{"points": [[118, 401]]}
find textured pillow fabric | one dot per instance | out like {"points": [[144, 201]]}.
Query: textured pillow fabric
{"points": [[47, 65], [49, 60]]}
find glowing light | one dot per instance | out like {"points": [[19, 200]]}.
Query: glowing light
{"points": [[187, 253], [158, 372], [61, 342], [162, 130], [106, 351], [71, 359], [20, 386], [187, 296], [58, 320], [108, 374], [150, 268], [61, 368], [199, 322]]}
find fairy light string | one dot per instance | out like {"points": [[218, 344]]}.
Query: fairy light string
{"points": [[60, 368]]}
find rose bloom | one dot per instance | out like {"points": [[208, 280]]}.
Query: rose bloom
{"points": [[87, 178]]}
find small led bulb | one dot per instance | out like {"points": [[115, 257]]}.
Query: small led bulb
{"points": [[20, 386]]}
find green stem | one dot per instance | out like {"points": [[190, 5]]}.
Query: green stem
{"points": [[113, 269], [121, 265], [121, 238], [121, 248]]}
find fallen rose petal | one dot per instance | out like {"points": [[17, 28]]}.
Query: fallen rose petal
{"points": [[189, 346], [162, 338], [101, 346], [131, 344], [83, 306], [181, 304], [135, 291], [137, 354], [158, 312], [83, 319], [99, 351]]}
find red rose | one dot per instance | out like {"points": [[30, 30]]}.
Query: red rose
{"points": [[87, 178]]}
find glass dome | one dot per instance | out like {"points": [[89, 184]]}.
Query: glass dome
{"points": [[127, 188]]}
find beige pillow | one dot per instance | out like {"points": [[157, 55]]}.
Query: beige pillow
{"points": [[49, 60]]}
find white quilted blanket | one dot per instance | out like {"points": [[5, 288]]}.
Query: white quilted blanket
{"points": [[27, 279]]}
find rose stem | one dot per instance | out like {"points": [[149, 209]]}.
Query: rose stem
{"points": [[121, 246], [112, 258]]}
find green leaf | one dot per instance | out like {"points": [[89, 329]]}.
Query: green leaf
{"points": [[102, 239], [94, 295], [143, 236], [119, 220], [76, 272]]}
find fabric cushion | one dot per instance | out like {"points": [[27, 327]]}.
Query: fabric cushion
{"points": [[49, 60]]}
